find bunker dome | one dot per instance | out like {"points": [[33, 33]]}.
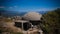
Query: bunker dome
{"points": [[33, 17]]}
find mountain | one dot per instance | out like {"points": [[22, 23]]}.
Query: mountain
{"points": [[42, 12], [16, 13], [13, 13]]}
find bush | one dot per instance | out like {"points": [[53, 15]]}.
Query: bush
{"points": [[52, 22]]}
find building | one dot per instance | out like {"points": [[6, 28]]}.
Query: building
{"points": [[26, 27], [33, 17]]}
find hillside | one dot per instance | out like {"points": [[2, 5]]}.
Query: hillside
{"points": [[51, 22]]}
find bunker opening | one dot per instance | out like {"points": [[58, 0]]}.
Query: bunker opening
{"points": [[23, 25]]}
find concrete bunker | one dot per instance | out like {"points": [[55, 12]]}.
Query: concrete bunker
{"points": [[33, 17], [24, 25], [35, 22]]}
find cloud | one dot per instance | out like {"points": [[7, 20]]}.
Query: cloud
{"points": [[10, 7], [15, 6], [2, 7]]}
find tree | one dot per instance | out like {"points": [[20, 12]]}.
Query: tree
{"points": [[52, 22]]}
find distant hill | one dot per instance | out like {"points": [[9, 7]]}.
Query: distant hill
{"points": [[14, 13], [42, 12]]}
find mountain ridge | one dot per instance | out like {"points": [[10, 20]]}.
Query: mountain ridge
{"points": [[16, 13]]}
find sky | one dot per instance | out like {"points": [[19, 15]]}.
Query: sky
{"points": [[29, 5]]}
